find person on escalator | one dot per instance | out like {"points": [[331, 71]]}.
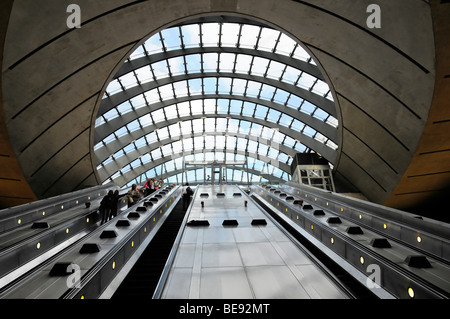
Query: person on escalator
{"points": [[147, 187], [186, 193], [133, 195], [115, 204], [106, 205]]}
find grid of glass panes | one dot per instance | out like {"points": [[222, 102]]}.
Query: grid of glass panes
{"points": [[219, 62], [213, 107], [214, 86], [196, 176], [225, 63], [258, 171], [222, 35], [218, 35], [222, 106], [202, 134]]}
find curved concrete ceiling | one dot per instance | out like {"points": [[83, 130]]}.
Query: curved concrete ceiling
{"points": [[53, 78]]}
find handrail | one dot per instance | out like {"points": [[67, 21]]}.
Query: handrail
{"points": [[428, 225], [17, 216]]}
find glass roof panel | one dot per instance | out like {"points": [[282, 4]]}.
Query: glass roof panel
{"points": [[138, 53], [261, 111], [249, 36], [227, 62], [275, 70], [291, 75], [210, 62], [224, 85], [184, 109], [128, 80], [268, 39], [285, 45], [253, 88], [176, 65], [195, 86], [301, 54], [243, 63], [210, 34], [306, 81], [180, 88], [230, 33], [320, 88], [113, 87], [239, 86], [111, 114], [144, 74], [267, 92], [259, 66], [196, 107], [193, 63], [160, 69], [281, 96], [154, 44], [171, 38], [138, 101], [210, 85], [191, 35]]}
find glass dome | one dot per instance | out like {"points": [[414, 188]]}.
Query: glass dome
{"points": [[213, 91]]}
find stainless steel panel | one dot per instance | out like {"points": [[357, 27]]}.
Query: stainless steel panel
{"points": [[178, 284], [249, 235], [218, 235], [190, 236], [225, 283], [221, 255], [292, 255], [259, 254], [322, 286], [242, 261], [185, 256], [274, 233], [275, 282]]}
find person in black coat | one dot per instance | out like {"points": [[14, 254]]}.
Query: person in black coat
{"points": [[186, 192], [115, 204], [106, 206]]}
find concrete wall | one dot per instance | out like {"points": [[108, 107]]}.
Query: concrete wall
{"points": [[425, 186], [14, 188]]}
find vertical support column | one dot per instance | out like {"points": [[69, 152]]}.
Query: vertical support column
{"points": [[182, 172]]}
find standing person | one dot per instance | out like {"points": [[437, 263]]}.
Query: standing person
{"points": [[115, 204], [147, 186], [186, 193], [106, 206], [161, 182], [133, 195], [153, 186]]}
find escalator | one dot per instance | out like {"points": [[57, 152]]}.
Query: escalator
{"points": [[143, 278]]}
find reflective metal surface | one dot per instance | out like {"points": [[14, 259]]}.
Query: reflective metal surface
{"points": [[242, 261], [327, 219]]}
